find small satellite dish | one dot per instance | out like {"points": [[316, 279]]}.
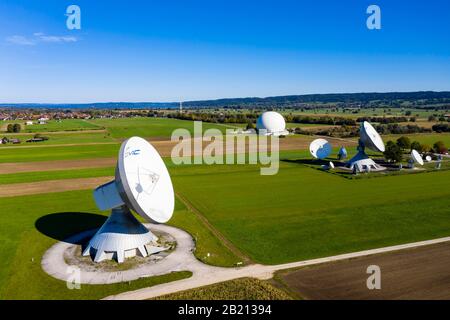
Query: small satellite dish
{"points": [[416, 157], [331, 164], [342, 153], [370, 137], [320, 148], [142, 183], [428, 158]]}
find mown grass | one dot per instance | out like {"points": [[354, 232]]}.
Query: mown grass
{"points": [[60, 138], [152, 127], [63, 125], [58, 153], [29, 225], [238, 289], [302, 213], [55, 175]]}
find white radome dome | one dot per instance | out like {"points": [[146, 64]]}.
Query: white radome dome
{"points": [[271, 121]]}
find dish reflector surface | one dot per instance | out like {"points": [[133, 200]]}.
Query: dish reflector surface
{"points": [[428, 158], [371, 138], [416, 157], [143, 180], [320, 148]]}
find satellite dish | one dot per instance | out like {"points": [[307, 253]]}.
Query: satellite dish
{"points": [[368, 137], [331, 165], [320, 148], [142, 183], [428, 158], [342, 153], [416, 157]]}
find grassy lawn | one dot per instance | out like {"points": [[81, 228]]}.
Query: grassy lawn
{"points": [[59, 153], [55, 175], [238, 289], [63, 125], [24, 239], [302, 213], [152, 127], [61, 138], [29, 225]]}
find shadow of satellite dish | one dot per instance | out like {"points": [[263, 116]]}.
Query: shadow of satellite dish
{"points": [[62, 225]]}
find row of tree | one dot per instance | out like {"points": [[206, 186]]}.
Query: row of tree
{"points": [[13, 127], [395, 150]]}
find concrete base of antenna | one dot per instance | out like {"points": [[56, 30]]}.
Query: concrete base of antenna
{"points": [[362, 163], [121, 236]]}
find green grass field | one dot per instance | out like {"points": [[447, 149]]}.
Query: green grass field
{"points": [[47, 153], [23, 241], [63, 125], [29, 225], [61, 138], [21, 177], [302, 213], [152, 127]]}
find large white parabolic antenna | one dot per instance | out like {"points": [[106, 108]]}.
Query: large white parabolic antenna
{"points": [[416, 157], [320, 148], [142, 183], [368, 137]]}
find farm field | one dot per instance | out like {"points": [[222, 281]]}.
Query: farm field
{"points": [[47, 153], [420, 273], [302, 213], [63, 125], [155, 128], [364, 112], [298, 214], [239, 289], [73, 137]]}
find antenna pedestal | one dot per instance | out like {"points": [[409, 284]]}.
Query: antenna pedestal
{"points": [[362, 163], [121, 236]]}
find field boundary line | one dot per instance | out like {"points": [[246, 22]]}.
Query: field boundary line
{"points": [[227, 243]]}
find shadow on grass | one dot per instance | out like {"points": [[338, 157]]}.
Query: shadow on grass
{"points": [[62, 225]]}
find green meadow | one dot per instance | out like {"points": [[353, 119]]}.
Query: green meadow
{"points": [[299, 213], [47, 153], [63, 125], [75, 137], [152, 127], [29, 225], [302, 213]]}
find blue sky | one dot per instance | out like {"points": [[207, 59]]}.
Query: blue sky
{"points": [[189, 50]]}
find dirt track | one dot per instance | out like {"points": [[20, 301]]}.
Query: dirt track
{"points": [[420, 273], [18, 189]]}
